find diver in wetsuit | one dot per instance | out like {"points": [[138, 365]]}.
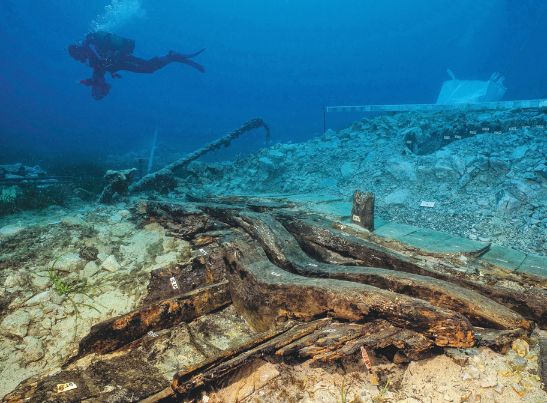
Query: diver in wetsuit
{"points": [[108, 53]]}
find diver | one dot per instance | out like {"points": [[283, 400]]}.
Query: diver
{"points": [[105, 53]]}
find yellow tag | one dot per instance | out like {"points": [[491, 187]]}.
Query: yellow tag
{"points": [[64, 387], [356, 218]]}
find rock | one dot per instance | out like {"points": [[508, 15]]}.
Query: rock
{"points": [[348, 169], [124, 213], [40, 282], [444, 170], [276, 155], [71, 262], [180, 246], [506, 202], [141, 245], [489, 381], [121, 229], [15, 324], [520, 152], [39, 298], [266, 163], [72, 221], [541, 170], [110, 264], [13, 280], [33, 349], [401, 170], [398, 197], [459, 355], [518, 364], [471, 372], [90, 269], [10, 230], [167, 259], [248, 380]]}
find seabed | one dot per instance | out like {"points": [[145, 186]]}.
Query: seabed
{"points": [[94, 302]]}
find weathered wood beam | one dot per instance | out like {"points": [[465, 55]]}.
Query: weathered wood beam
{"points": [[499, 340], [205, 269], [284, 251], [114, 333], [362, 212], [216, 368], [339, 340], [265, 294], [315, 233], [183, 220], [133, 375]]}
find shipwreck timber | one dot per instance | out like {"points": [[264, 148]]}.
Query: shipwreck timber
{"points": [[310, 289]]}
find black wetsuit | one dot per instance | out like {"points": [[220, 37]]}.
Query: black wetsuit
{"points": [[109, 53]]}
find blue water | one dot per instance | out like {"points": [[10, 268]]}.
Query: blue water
{"points": [[281, 60]]}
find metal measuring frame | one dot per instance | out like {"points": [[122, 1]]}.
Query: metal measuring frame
{"points": [[479, 106]]}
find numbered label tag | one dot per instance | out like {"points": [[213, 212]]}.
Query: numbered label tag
{"points": [[428, 204], [174, 283], [65, 387], [447, 137], [456, 136], [203, 252], [356, 218], [151, 333]]}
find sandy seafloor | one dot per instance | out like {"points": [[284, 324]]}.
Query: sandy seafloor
{"points": [[490, 186]]}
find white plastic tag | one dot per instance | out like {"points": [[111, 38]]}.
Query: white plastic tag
{"points": [[174, 284], [356, 218], [429, 204], [203, 252]]}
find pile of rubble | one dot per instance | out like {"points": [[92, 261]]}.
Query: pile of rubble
{"points": [[60, 277], [484, 173]]}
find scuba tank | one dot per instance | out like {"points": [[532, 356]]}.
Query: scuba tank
{"points": [[107, 43]]}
